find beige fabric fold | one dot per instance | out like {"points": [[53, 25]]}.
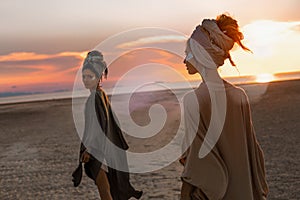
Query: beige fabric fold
{"points": [[234, 169]]}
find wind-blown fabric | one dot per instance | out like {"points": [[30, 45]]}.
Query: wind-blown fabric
{"points": [[234, 169]]}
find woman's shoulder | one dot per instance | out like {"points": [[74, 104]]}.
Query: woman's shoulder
{"points": [[238, 92], [190, 95], [234, 88], [101, 92], [191, 99]]}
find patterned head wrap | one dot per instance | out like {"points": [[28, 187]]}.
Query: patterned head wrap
{"points": [[95, 62], [209, 45]]}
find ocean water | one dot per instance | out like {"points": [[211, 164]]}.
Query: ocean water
{"points": [[35, 97], [155, 86]]}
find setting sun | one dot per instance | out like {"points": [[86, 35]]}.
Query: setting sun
{"points": [[264, 78]]}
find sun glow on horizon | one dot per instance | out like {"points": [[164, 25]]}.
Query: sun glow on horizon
{"points": [[274, 45], [264, 78], [263, 35]]}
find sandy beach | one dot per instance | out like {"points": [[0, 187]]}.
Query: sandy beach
{"points": [[39, 146]]}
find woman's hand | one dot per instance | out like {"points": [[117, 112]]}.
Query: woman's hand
{"points": [[85, 157], [182, 160]]}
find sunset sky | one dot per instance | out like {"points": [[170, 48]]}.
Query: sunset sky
{"points": [[43, 42]]}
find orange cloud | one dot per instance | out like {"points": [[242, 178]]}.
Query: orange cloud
{"points": [[153, 58], [21, 69], [22, 56]]}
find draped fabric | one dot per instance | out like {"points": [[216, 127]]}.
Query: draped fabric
{"points": [[234, 169], [104, 140]]}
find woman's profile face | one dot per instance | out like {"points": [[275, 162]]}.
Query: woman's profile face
{"points": [[189, 62], [89, 79]]}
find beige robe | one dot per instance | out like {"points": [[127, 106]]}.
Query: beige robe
{"points": [[234, 169]]}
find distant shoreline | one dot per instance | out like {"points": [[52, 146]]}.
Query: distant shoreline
{"points": [[70, 98]]}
